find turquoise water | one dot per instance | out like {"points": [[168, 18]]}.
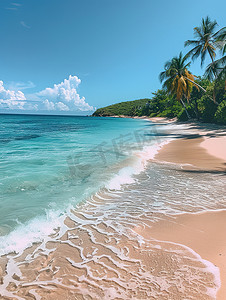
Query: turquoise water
{"points": [[49, 163]]}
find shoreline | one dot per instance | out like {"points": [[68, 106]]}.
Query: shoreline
{"points": [[96, 255], [198, 153], [203, 232], [152, 119]]}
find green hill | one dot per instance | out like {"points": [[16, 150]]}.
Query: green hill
{"points": [[128, 108]]}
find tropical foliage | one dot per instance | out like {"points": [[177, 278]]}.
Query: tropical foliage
{"points": [[128, 108], [184, 95], [205, 41], [178, 80], [218, 68], [164, 105]]}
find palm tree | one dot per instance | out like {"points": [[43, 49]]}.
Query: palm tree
{"points": [[205, 41], [218, 68], [177, 79], [220, 40]]}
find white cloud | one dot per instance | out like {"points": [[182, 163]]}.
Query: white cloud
{"points": [[25, 25], [11, 99], [23, 85], [13, 85], [62, 106], [48, 105], [10, 94], [65, 93], [61, 97], [16, 4]]}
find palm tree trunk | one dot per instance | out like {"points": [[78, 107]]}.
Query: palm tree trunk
{"points": [[185, 109], [196, 84], [195, 107], [215, 75], [201, 89], [214, 94]]}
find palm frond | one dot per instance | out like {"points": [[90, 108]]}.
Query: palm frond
{"points": [[212, 26], [210, 72], [220, 34], [217, 69], [203, 57], [220, 40], [187, 65], [197, 52], [221, 45], [173, 77], [211, 53], [191, 42], [192, 51], [198, 32], [204, 42], [162, 76]]}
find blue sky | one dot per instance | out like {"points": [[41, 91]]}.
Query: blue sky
{"points": [[112, 50]]}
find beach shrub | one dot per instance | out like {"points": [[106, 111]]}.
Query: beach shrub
{"points": [[220, 92], [182, 116], [206, 106], [173, 110], [168, 113], [197, 94], [220, 115], [208, 109]]}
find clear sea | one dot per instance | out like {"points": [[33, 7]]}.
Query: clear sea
{"points": [[49, 164], [74, 190]]}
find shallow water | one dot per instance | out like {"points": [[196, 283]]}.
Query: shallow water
{"points": [[84, 215], [98, 254], [50, 163]]}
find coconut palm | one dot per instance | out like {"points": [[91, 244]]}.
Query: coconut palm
{"points": [[218, 68], [205, 41], [220, 40], [177, 80]]}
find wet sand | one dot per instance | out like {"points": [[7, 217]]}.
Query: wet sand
{"points": [[96, 257], [98, 254], [203, 232]]}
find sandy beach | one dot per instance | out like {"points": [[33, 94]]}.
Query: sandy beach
{"points": [[113, 150], [121, 245], [203, 232]]}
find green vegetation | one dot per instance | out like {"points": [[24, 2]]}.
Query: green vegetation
{"points": [[162, 104], [178, 81], [184, 95], [206, 43], [128, 108]]}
